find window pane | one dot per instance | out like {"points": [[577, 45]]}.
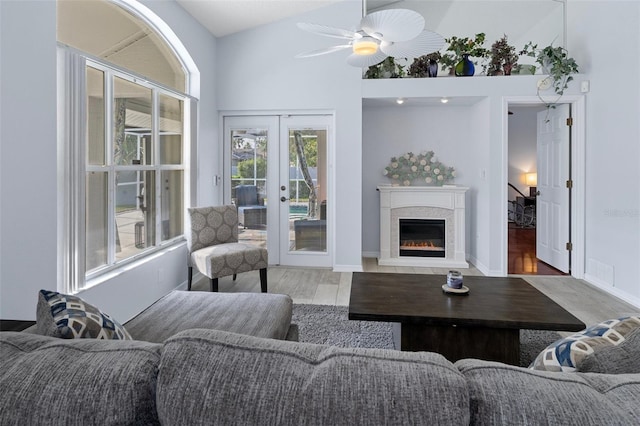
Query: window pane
{"points": [[172, 203], [135, 220], [131, 123], [95, 117], [307, 183], [171, 125], [249, 159], [96, 220]]}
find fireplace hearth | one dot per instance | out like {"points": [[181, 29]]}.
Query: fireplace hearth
{"points": [[422, 237]]}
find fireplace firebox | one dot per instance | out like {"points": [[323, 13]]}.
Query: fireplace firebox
{"points": [[422, 237]]}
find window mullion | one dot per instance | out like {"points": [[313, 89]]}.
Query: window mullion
{"points": [[111, 175], [155, 140]]}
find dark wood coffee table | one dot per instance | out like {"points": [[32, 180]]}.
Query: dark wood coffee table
{"points": [[483, 324]]}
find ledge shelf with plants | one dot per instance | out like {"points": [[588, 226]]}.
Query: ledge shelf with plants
{"points": [[464, 56]]}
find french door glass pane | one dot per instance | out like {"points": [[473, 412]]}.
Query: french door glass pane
{"points": [[171, 125], [131, 117], [172, 203], [307, 190], [134, 212], [96, 248], [249, 183], [95, 117]]}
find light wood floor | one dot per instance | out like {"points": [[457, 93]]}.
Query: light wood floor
{"points": [[324, 287]]}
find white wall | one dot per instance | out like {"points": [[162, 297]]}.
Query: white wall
{"points": [[257, 72], [393, 130], [604, 38], [28, 169]]}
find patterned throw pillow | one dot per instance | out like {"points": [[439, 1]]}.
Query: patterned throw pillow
{"points": [[566, 354], [69, 317]]}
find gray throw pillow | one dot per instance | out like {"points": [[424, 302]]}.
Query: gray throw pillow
{"points": [[70, 317], [621, 359]]}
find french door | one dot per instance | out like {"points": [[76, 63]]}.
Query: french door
{"points": [[277, 173]]}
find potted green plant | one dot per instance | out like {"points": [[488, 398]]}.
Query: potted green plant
{"points": [[425, 66], [388, 68], [555, 62], [456, 58], [503, 57]]}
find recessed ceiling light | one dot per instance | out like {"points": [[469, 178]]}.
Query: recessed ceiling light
{"points": [[444, 100], [400, 101]]}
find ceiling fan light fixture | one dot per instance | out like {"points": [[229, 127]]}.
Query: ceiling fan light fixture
{"points": [[365, 46]]}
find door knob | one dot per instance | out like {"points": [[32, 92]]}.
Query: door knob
{"points": [[283, 199], [538, 193], [283, 188]]}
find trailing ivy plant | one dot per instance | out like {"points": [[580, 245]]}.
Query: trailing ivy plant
{"points": [[556, 62]]}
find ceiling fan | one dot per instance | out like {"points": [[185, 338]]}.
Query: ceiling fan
{"points": [[393, 32]]}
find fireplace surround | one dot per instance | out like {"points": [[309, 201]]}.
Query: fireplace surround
{"points": [[440, 242]]}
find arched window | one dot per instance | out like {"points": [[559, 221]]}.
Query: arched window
{"points": [[109, 32], [127, 112]]}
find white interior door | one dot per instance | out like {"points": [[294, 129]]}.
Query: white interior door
{"points": [[304, 198], [552, 203]]}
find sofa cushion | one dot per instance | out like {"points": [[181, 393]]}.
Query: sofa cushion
{"points": [[69, 317], [567, 354], [255, 314], [47, 380], [213, 377], [623, 358], [501, 394]]}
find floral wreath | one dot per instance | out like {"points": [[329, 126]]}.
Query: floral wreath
{"points": [[423, 167]]}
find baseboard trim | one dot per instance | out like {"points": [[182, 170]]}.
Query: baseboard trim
{"points": [[483, 268], [602, 285], [347, 268]]}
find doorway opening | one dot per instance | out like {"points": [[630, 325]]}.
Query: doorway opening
{"points": [[539, 188]]}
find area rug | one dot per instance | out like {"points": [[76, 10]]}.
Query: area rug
{"points": [[330, 325]]}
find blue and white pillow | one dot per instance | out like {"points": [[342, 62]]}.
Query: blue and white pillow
{"points": [[565, 355], [69, 317]]}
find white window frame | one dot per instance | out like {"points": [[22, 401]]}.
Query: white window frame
{"points": [[73, 166]]}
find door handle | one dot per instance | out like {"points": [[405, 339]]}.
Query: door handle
{"points": [[538, 193], [283, 199], [283, 188]]}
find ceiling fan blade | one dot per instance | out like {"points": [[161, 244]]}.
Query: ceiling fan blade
{"points": [[365, 61], [324, 51], [426, 42], [324, 30], [393, 25]]}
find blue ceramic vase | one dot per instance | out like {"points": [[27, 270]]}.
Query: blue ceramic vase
{"points": [[465, 67]]}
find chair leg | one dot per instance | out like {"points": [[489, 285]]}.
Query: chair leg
{"points": [[190, 278], [214, 284], [234, 276], [263, 280]]}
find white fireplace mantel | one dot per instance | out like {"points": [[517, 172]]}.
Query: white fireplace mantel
{"points": [[445, 202]]}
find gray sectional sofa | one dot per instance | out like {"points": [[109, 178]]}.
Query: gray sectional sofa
{"points": [[209, 376]]}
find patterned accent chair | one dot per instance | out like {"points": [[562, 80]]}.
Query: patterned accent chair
{"points": [[214, 248]]}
